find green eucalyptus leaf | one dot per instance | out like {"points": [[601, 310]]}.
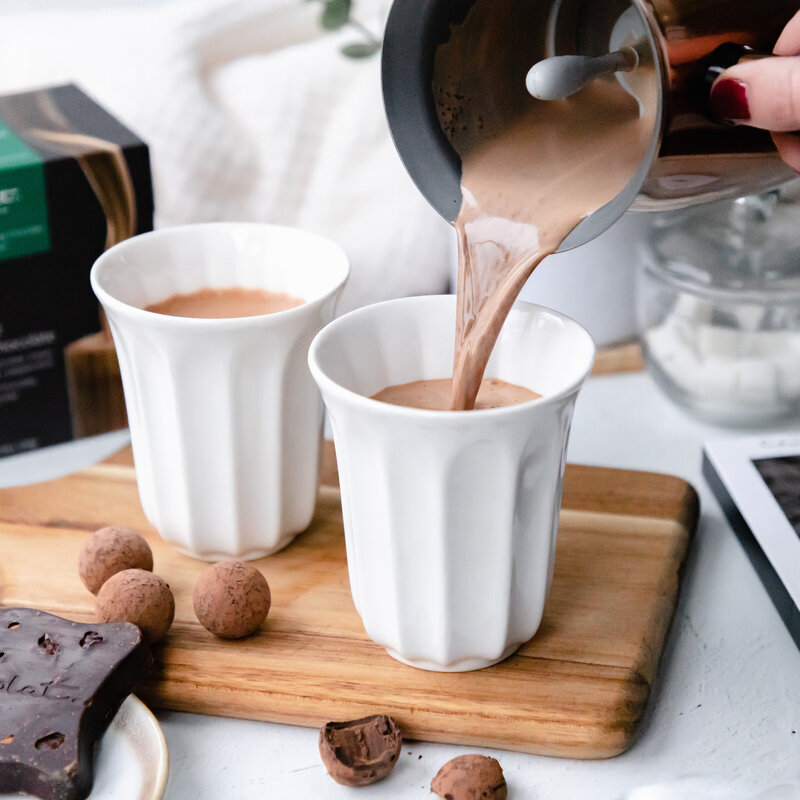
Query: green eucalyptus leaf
{"points": [[335, 14], [361, 49]]}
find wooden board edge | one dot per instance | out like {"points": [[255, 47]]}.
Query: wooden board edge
{"points": [[599, 740], [663, 614]]}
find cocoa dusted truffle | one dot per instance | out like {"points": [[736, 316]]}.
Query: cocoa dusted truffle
{"points": [[140, 597], [109, 551], [231, 599], [470, 777], [362, 751]]}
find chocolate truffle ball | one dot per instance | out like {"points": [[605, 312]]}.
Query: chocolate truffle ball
{"points": [[231, 599], [470, 777], [140, 597], [109, 551]]}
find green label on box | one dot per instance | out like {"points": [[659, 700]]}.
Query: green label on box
{"points": [[23, 199]]}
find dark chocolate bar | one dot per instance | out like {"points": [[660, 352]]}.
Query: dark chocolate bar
{"points": [[61, 683]]}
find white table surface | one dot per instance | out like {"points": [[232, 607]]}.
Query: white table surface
{"points": [[723, 721]]}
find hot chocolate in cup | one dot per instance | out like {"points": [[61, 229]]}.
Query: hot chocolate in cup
{"points": [[450, 517], [224, 416]]}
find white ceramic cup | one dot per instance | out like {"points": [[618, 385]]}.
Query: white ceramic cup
{"points": [[225, 419], [450, 517]]}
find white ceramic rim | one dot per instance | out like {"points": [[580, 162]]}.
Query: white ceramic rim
{"points": [[339, 260], [147, 720], [135, 723], [330, 386]]}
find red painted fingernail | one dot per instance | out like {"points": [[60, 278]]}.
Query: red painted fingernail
{"points": [[729, 100]]}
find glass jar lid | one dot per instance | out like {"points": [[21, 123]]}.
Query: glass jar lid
{"points": [[746, 249]]}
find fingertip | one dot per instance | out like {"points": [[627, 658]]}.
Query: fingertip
{"points": [[764, 93], [729, 99], [788, 145], [788, 43]]}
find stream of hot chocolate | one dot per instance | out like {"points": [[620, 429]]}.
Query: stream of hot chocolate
{"points": [[531, 170]]}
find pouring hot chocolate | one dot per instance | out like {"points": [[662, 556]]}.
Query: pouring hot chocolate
{"points": [[527, 161], [694, 155]]}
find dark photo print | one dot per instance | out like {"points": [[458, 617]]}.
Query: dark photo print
{"points": [[782, 476]]}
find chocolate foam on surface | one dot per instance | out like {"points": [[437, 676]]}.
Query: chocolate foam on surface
{"points": [[434, 395], [225, 303]]}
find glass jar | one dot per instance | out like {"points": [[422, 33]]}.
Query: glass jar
{"points": [[718, 307]]}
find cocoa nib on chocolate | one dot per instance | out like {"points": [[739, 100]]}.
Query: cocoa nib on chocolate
{"points": [[61, 683], [470, 777], [362, 751]]}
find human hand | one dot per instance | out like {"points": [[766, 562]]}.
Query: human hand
{"points": [[765, 93]]}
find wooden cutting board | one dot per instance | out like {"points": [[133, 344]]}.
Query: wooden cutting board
{"points": [[578, 689]]}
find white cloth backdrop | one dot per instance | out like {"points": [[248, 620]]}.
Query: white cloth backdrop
{"points": [[251, 113]]}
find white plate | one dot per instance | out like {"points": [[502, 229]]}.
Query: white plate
{"points": [[132, 760]]}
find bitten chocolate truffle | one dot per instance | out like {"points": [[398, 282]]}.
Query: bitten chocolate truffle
{"points": [[109, 551], [231, 599], [362, 751], [140, 597], [471, 777]]}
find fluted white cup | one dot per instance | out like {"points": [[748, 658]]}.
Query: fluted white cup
{"points": [[225, 419], [450, 517]]}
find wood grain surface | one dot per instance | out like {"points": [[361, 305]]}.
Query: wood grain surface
{"points": [[578, 689], [626, 357], [96, 398]]}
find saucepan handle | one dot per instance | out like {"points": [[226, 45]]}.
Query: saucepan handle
{"points": [[727, 55]]}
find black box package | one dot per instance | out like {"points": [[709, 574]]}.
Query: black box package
{"points": [[73, 182]]}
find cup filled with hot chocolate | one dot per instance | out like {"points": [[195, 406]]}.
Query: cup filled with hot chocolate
{"points": [[450, 516], [212, 324]]}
